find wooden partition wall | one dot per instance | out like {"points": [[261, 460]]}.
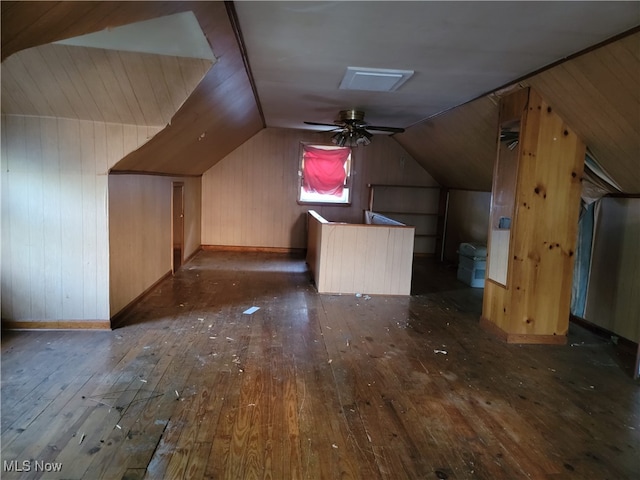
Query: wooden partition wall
{"points": [[358, 258], [533, 223]]}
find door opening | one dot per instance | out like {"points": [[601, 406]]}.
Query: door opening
{"points": [[177, 229]]}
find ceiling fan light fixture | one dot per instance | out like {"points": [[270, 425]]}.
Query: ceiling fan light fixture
{"points": [[339, 139], [351, 137], [363, 140]]}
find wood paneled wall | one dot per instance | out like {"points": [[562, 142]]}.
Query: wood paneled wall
{"points": [[532, 305], [219, 115], [457, 147], [96, 84], [370, 259], [613, 302], [249, 198], [597, 94], [54, 216], [140, 232]]}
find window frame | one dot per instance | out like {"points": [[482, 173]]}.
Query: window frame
{"points": [[348, 184]]}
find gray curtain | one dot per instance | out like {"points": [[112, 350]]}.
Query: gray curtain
{"points": [[595, 185]]}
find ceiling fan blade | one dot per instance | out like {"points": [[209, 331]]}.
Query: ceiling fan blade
{"points": [[323, 124], [385, 129]]}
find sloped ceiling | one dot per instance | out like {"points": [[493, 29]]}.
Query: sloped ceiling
{"points": [[597, 94], [223, 102], [97, 84], [299, 50]]}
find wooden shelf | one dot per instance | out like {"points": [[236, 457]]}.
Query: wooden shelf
{"points": [[407, 213], [381, 185], [399, 202]]}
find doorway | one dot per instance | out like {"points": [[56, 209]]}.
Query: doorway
{"points": [[177, 222]]}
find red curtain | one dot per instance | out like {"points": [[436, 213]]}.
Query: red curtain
{"points": [[323, 170]]}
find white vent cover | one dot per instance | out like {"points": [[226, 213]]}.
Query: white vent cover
{"points": [[374, 79]]}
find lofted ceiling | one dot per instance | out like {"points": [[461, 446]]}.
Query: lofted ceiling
{"points": [[134, 88], [298, 52], [203, 126]]}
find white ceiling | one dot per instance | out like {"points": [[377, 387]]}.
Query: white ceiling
{"points": [[299, 51], [178, 35]]}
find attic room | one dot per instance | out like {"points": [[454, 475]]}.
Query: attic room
{"points": [[163, 312]]}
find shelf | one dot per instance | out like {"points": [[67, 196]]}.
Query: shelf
{"points": [[382, 185], [408, 213], [405, 203]]}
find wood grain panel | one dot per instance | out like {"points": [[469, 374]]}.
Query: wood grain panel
{"points": [[100, 85], [543, 230], [613, 302], [249, 198], [457, 147], [140, 232], [331, 387], [597, 95], [367, 259], [223, 106], [54, 222]]}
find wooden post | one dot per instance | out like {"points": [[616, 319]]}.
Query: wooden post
{"points": [[533, 225]]}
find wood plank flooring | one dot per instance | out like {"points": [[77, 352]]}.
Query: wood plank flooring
{"points": [[312, 387]]}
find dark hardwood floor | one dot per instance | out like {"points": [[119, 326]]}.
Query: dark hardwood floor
{"points": [[312, 387]]}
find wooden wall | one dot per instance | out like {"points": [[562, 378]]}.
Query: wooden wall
{"points": [[55, 263], [249, 197], [467, 220], [140, 232], [529, 301], [96, 84], [367, 259], [613, 302], [222, 106], [457, 147], [596, 93]]}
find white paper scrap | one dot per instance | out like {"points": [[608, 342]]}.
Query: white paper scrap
{"points": [[251, 310]]}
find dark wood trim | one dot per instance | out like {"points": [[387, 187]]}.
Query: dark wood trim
{"points": [[57, 325], [402, 186], [468, 190], [190, 257], [153, 174], [119, 316], [235, 26], [237, 248], [624, 343], [622, 195], [515, 82]]}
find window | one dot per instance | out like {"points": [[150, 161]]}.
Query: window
{"points": [[325, 174]]}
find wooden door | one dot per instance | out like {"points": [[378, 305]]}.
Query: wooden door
{"points": [[177, 221]]}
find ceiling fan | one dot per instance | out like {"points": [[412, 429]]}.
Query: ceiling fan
{"points": [[352, 130]]}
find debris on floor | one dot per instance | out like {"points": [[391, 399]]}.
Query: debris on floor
{"points": [[250, 311]]}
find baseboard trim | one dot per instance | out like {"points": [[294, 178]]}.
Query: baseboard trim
{"points": [[625, 343], [119, 316], [57, 325], [521, 338], [237, 248], [190, 257]]}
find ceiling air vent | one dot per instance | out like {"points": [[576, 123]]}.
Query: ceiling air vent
{"points": [[374, 79]]}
